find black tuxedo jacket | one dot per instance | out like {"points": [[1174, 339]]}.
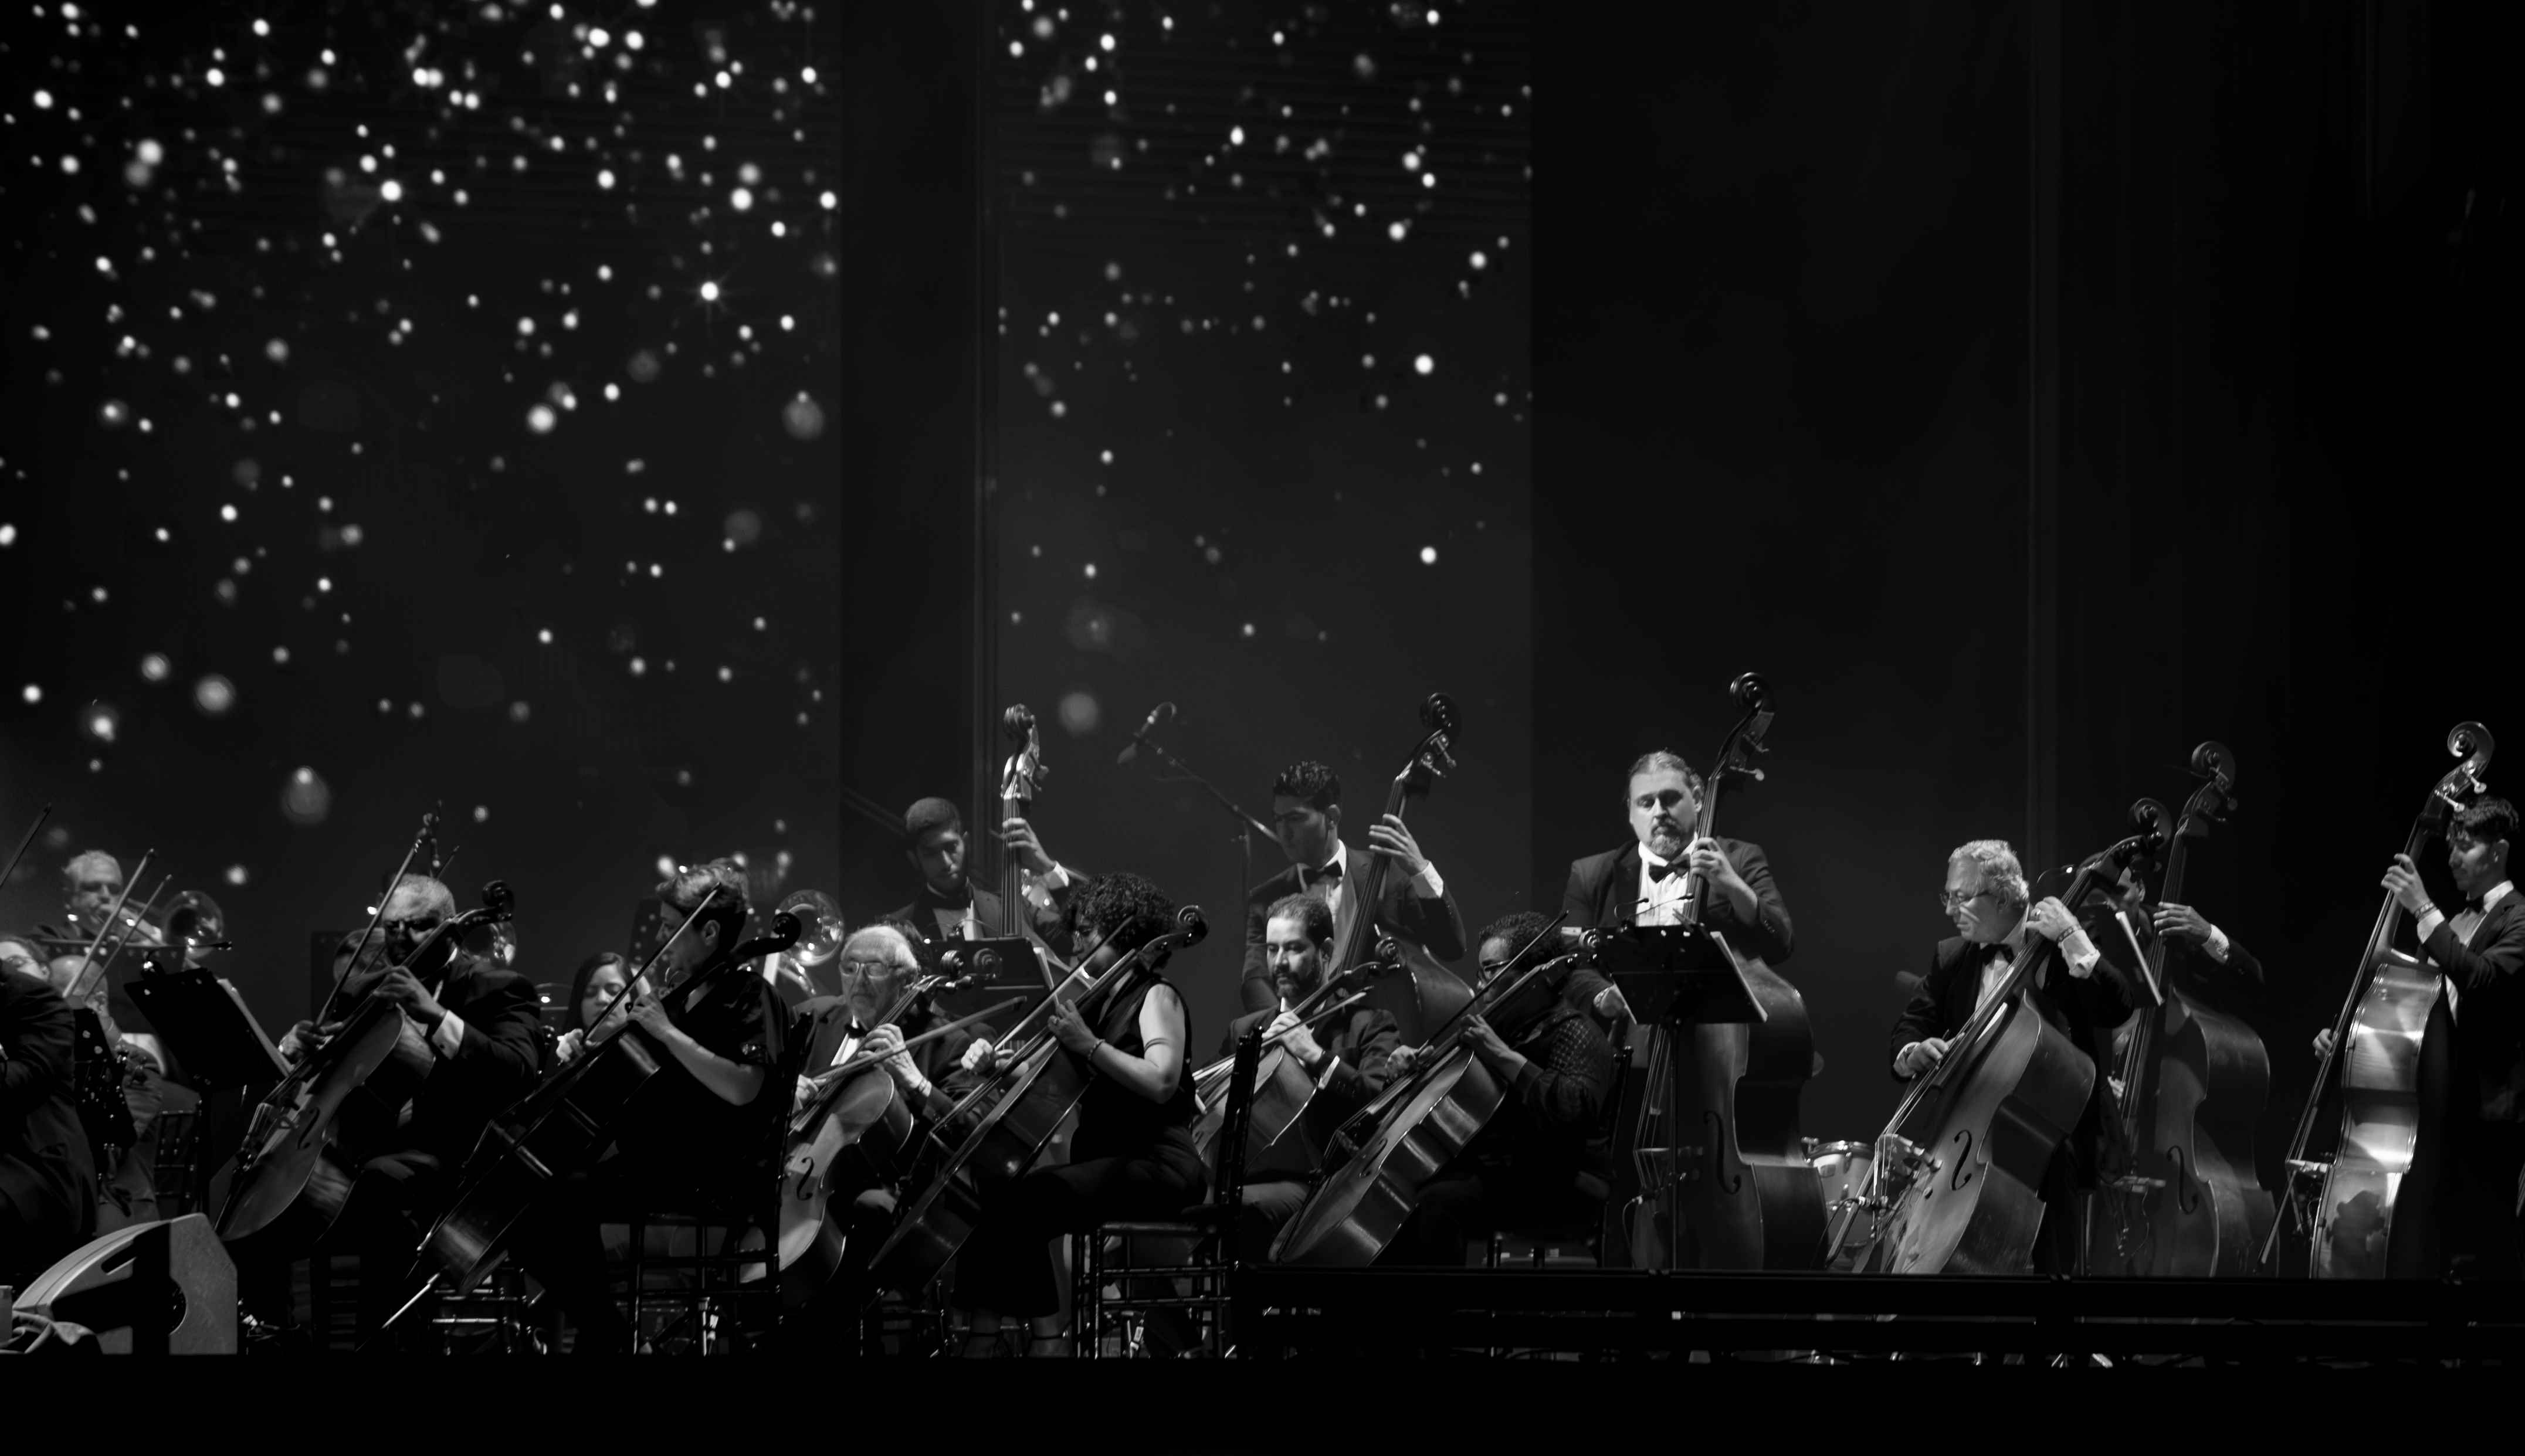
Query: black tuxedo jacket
{"points": [[2236, 988], [1604, 889], [825, 1023], [2086, 1011], [2488, 970], [1436, 926], [497, 1063], [988, 908], [47, 1175]]}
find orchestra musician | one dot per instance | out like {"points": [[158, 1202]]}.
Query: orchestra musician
{"points": [[1986, 898], [595, 991], [2467, 1173], [701, 1137], [91, 882], [951, 907], [1349, 1063], [1539, 1161], [48, 1203], [1132, 1155], [482, 1026], [1305, 813], [877, 963], [1643, 883], [2216, 970]]}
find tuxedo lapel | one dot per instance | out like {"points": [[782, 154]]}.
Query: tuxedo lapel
{"points": [[1355, 867], [1619, 902]]}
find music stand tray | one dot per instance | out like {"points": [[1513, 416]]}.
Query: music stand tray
{"points": [[207, 1025], [1004, 968], [1678, 975]]}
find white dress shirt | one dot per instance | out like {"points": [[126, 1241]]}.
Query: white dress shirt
{"points": [[1428, 885], [1661, 901]]}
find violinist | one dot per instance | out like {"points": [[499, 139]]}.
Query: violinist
{"points": [[1539, 1161], [877, 963], [1307, 813], [1133, 1155], [702, 1135], [47, 1195], [952, 907], [479, 1022], [1987, 899], [2462, 1189], [1349, 1063]]}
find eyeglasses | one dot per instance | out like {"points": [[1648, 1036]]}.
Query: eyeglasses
{"points": [[1951, 899], [875, 967]]}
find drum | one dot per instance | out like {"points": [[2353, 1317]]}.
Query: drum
{"points": [[1852, 1202]]}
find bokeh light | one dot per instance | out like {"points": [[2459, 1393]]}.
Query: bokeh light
{"points": [[215, 694], [306, 799]]}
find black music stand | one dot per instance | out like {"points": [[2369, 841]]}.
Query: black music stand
{"points": [[1677, 975], [205, 1023], [1001, 968]]}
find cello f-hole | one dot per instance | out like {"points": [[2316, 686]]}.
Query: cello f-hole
{"points": [[1963, 1173]]}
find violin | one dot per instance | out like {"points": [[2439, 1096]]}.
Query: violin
{"points": [[296, 1164], [1382, 1158], [1742, 1187], [2193, 1081], [1036, 1088], [2377, 1041], [1988, 1118], [858, 1114]]}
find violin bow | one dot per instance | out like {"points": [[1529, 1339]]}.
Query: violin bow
{"points": [[24, 844]]}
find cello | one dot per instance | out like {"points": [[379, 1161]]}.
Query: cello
{"points": [[1393, 1147], [1743, 1189], [2377, 1039], [1282, 1089], [379, 1059], [2193, 1081], [1989, 1115], [565, 1124], [1037, 1089]]}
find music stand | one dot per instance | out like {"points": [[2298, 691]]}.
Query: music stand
{"points": [[1001, 968], [206, 1024], [1677, 975]]}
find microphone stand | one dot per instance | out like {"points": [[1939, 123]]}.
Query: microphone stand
{"points": [[1246, 826]]}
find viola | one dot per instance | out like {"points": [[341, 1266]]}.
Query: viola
{"points": [[1741, 1188], [2377, 1041], [2193, 1081], [1389, 1151], [298, 1160], [1988, 1118], [957, 1163], [563, 1125]]}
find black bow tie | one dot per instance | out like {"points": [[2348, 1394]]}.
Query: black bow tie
{"points": [[1322, 872], [1658, 872], [2476, 904]]}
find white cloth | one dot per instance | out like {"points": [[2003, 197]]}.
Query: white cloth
{"points": [[2463, 923], [448, 1035], [2216, 946], [1427, 884]]}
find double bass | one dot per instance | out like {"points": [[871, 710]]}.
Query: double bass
{"points": [[1021, 779], [1366, 967], [565, 1124], [379, 1060], [962, 1158], [2193, 1081], [2377, 1040], [1740, 1186], [1388, 1151], [1987, 1119]]}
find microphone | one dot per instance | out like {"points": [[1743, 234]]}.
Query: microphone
{"points": [[1131, 749]]}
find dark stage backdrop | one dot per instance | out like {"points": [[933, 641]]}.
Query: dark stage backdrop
{"points": [[1263, 282], [1779, 390], [415, 405]]}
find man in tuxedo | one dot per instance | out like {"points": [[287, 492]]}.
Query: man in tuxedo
{"points": [[1347, 1063], [47, 1182], [1986, 897], [2457, 1208], [952, 907], [1305, 813], [2214, 969]]}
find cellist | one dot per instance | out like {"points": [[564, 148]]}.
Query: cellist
{"points": [[1133, 1155], [699, 1136], [2463, 1190], [1537, 1161], [47, 1176], [876, 962], [1986, 897], [481, 1025], [1349, 1063]]}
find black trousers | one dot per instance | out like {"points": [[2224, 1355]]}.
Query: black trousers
{"points": [[44, 1214], [1005, 1267]]}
